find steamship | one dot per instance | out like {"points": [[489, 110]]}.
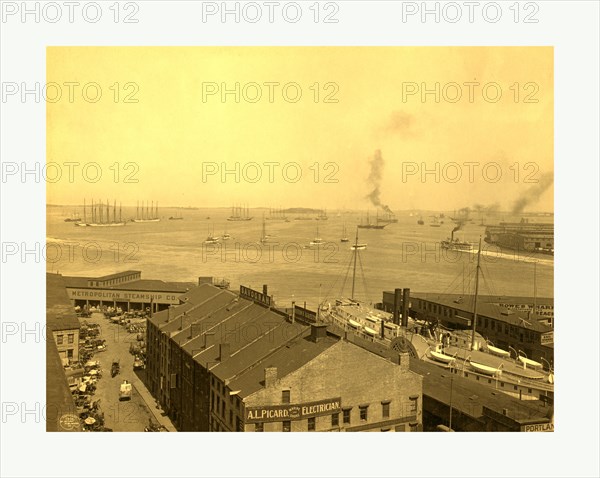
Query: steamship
{"points": [[455, 244], [456, 350]]}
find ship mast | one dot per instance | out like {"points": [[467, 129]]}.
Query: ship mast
{"points": [[534, 288], [84, 216], [354, 270], [476, 294]]}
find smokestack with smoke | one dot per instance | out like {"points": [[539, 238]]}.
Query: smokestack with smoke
{"points": [[533, 193], [374, 179]]}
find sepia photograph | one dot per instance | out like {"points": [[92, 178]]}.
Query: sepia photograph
{"points": [[298, 239], [282, 219]]}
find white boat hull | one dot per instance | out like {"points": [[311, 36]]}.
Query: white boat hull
{"points": [[499, 352], [485, 369], [440, 357]]}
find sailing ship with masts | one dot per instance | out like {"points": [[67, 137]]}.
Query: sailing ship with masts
{"points": [[369, 225], [101, 215], [240, 213], [344, 235], [265, 238], [276, 214], [146, 213]]}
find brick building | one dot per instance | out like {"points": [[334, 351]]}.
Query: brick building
{"points": [[508, 322], [223, 361]]}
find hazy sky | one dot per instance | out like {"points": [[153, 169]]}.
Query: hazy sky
{"points": [[174, 131]]}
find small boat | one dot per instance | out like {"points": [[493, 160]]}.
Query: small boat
{"points": [[440, 357], [358, 247], [498, 352], [528, 362], [226, 236], [354, 324], [73, 218], [485, 369], [344, 235], [420, 222], [316, 242], [370, 331], [211, 239]]}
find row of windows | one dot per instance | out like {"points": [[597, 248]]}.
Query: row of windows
{"points": [[60, 339], [335, 417]]}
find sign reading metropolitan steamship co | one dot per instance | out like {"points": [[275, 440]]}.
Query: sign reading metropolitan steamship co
{"points": [[123, 295], [279, 413]]}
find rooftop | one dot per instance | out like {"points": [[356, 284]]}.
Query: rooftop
{"points": [[246, 371], [488, 306], [470, 398], [145, 285]]}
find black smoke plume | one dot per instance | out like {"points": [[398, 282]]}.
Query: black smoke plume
{"points": [[374, 179], [533, 193]]}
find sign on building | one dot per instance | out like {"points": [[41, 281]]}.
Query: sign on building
{"points": [[279, 413], [547, 338], [538, 427]]}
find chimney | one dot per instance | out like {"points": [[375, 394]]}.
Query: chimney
{"points": [[224, 351], [293, 312], [404, 361], [405, 302], [318, 332], [265, 290], [397, 294], [270, 376], [382, 329], [208, 342]]}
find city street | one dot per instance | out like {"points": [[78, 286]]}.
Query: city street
{"points": [[129, 415]]}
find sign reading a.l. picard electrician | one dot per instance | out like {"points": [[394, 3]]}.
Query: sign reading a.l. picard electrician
{"points": [[296, 411]]}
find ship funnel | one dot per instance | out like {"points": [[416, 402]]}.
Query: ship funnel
{"points": [[397, 299], [405, 304]]}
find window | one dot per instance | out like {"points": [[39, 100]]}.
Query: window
{"points": [[385, 409], [414, 403], [223, 408], [71, 338], [285, 396], [59, 339], [335, 420], [287, 426], [231, 417], [347, 415], [259, 427], [516, 388], [312, 424], [364, 412]]}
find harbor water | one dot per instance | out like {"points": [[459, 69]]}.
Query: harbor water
{"points": [[404, 254]]}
